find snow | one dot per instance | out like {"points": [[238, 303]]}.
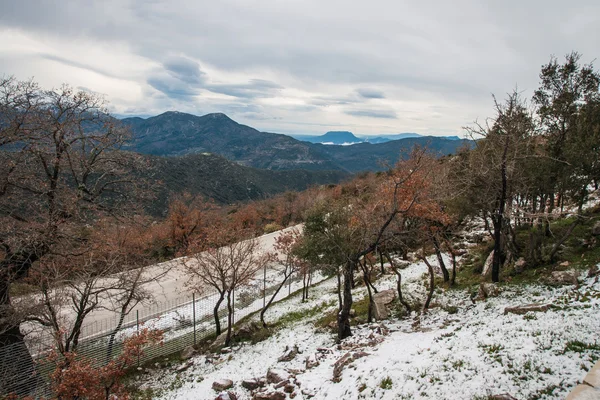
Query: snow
{"points": [[474, 352]]}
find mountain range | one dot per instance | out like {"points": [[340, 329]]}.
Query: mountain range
{"points": [[177, 134], [345, 138]]}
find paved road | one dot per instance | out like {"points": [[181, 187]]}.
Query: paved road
{"points": [[169, 291]]}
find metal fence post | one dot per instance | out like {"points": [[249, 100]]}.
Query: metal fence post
{"points": [[137, 324], [194, 314]]}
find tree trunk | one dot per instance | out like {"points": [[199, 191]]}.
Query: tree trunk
{"points": [[453, 278], [398, 283], [557, 245], [216, 313], [431, 284], [381, 262], [369, 292], [262, 312], [438, 253], [344, 330], [229, 318], [339, 291]]}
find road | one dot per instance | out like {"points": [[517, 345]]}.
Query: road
{"points": [[167, 292]]}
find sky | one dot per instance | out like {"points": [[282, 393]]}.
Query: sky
{"points": [[298, 67]]}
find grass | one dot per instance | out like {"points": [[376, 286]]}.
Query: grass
{"points": [[581, 250], [386, 383]]}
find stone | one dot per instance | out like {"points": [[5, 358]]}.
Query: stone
{"points": [[281, 384], [222, 384], [352, 313], [311, 361], [226, 350], [564, 264], [559, 278], [487, 266], [289, 388], [593, 376], [487, 290], [226, 396], [593, 271], [503, 396], [345, 360], [584, 392], [271, 395], [277, 375], [289, 354], [185, 366], [520, 265], [596, 229], [524, 309], [381, 300], [247, 330], [187, 353], [308, 393], [250, 384], [219, 341]]}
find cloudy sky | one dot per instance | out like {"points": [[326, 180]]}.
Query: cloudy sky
{"points": [[298, 66]]}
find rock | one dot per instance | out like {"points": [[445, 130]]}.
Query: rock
{"points": [[226, 350], [271, 395], [308, 393], [520, 265], [487, 266], [558, 278], [250, 384], [247, 330], [218, 342], [584, 392], [593, 271], [282, 384], [311, 361], [187, 353], [185, 366], [524, 309], [487, 290], [226, 396], [593, 376], [503, 396], [381, 300], [277, 375], [596, 229], [346, 359], [564, 264], [289, 354], [352, 313], [222, 384], [289, 388]]}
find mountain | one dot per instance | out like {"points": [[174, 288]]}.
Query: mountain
{"points": [[332, 137], [374, 157], [175, 134], [222, 180], [387, 138]]}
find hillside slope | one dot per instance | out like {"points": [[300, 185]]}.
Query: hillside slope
{"points": [[176, 134], [225, 181]]}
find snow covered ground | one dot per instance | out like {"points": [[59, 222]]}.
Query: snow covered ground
{"points": [[456, 351]]}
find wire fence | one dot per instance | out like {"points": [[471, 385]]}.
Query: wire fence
{"points": [[185, 321]]}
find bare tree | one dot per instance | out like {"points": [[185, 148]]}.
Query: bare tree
{"points": [[228, 261], [61, 169], [286, 262]]}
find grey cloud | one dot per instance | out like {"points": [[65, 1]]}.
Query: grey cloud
{"points": [[253, 89], [386, 114], [185, 70], [370, 93]]}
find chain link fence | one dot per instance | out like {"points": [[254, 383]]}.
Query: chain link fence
{"points": [[185, 321]]}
